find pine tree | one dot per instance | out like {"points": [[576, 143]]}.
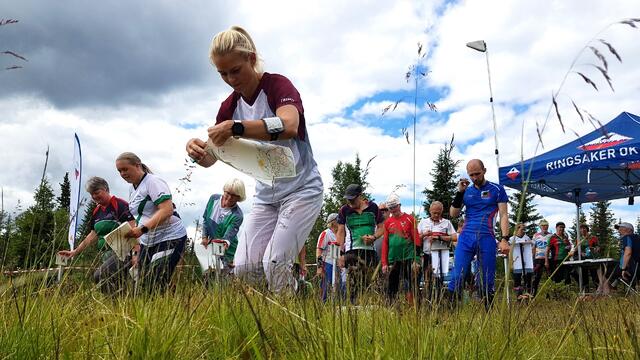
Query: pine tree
{"points": [[64, 200], [573, 231], [601, 226], [84, 228], [523, 210], [343, 174], [38, 230], [443, 181]]}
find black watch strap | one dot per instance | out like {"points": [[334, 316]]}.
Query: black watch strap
{"points": [[144, 229], [237, 129]]}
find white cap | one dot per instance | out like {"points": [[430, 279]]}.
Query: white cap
{"points": [[331, 217], [392, 201]]}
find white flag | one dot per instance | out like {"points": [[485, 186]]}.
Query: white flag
{"points": [[76, 178]]}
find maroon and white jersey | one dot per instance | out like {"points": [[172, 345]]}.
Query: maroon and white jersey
{"points": [[273, 92]]}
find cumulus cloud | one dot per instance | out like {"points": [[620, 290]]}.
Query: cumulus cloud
{"points": [[137, 78]]}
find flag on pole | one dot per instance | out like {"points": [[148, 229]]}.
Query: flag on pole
{"points": [[76, 179]]}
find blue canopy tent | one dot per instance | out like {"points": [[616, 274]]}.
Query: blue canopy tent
{"points": [[602, 165]]}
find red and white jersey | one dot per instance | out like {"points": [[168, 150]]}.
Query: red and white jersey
{"points": [[273, 92], [440, 228], [326, 238]]}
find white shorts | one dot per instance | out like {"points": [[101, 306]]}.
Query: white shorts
{"points": [[272, 237]]}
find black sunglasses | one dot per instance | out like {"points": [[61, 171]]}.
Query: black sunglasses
{"points": [[384, 210]]}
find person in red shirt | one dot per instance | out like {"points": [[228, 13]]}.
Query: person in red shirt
{"points": [[590, 249], [401, 249]]}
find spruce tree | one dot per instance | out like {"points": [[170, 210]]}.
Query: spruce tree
{"points": [[443, 180], [35, 238], [602, 219], [84, 226], [523, 210], [343, 174], [64, 200], [573, 231]]}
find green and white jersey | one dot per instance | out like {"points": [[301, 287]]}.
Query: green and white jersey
{"points": [[357, 225], [143, 203]]}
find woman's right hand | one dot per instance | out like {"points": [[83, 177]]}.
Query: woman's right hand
{"points": [[195, 149]]}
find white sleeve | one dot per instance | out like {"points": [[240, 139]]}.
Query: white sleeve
{"points": [[158, 190]]}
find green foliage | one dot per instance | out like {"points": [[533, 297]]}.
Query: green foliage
{"points": [[572, 231], [522, 209], [90, 253], [443, 181], [343, 174], [64, 199], [236, 322], [38, 232], [602, 227]]}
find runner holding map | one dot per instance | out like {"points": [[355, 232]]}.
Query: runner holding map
{"points": [[266, 109], [522, 257]]}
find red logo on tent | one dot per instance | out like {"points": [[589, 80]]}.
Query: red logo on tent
{"points": [[634, 165], [591, 195], [604, 142], [513, 173]]}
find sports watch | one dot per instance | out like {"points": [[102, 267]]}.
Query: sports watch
{"points": [[237, 129]]}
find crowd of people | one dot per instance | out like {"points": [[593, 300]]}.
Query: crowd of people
{"points": [[412, 255]]}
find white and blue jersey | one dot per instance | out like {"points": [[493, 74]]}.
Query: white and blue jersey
{"points": [[481, 208]]}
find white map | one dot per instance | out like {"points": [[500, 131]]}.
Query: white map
{"points": [[263, 161], [120, 245], [206, 257]]}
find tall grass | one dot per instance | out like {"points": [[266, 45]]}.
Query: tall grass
{"points": [[74, 320]]}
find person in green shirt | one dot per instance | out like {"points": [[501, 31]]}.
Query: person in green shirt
{"points": [[223, 217]]}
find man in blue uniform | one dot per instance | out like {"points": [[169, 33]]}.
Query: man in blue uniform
{"points": [[482, 202]]}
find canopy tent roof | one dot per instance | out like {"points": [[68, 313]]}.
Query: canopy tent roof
{"points": [[602, 165]]}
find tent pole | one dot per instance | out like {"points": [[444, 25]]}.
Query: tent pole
{"points": [[577, 191]]}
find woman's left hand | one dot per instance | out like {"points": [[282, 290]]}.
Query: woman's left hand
{"points": [[220, 133]]}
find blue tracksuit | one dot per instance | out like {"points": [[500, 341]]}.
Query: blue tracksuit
{"points": [[477, 235]]}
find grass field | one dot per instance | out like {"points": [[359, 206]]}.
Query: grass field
{"points": [[74, 320]]}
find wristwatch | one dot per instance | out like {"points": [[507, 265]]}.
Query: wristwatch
{"points": [[237, 129], [505, 237], [144, 229]]}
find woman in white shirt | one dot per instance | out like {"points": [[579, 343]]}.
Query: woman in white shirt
{"points": [[159, 229]]}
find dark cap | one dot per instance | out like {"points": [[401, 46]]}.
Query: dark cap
{"points": [[352, 191], [625, 225], [560, 223]]}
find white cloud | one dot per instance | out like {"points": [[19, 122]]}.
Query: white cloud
{"points": [[338, 53]]}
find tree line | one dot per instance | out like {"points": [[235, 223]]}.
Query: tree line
{"points": [[30, 238]]}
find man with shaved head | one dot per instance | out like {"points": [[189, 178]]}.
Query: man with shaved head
{"points": [[482, 202]]}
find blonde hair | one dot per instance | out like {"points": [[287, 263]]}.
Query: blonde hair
{"points": [[235, 39], [134, 160], [235, 187]]}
